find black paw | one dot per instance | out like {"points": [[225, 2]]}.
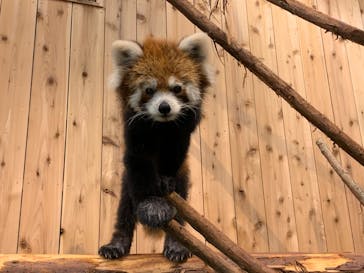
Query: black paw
{"points": [[113, 250], [168, 185], [155, 212], [175, 252]]}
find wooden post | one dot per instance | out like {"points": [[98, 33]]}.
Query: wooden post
{"points": [[278, 85]]}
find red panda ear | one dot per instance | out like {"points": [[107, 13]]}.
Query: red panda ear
{"points": [[124, 54], [196, 46]]}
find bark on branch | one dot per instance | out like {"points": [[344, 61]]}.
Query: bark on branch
{"points": [[344, 175], [322, 20], [272, 80], [216, 237], [214, 259]]}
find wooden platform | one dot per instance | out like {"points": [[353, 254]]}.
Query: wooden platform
{"points": [[299, 262], [255, 169]]}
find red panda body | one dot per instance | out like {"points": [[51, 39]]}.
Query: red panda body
{"points": [[161, 86]]}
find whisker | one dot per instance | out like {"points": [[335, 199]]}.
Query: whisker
{"points": [[136, 116]]}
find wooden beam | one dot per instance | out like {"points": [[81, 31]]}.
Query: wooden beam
{"points": [[213, 236], [344, 175], [289, 262], [264, 73], [215, 259], [322, 20]]}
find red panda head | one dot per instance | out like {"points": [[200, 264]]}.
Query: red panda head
{"points": [[161, 78]]}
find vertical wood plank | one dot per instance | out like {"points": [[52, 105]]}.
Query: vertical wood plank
{"points": [[215, 144], [306, 195], [81, 194], [361, 10], [345, 104], [120, 23], [16, 56], [43, 179], [151, 21], [332, 193], [353, 14], [177, 28], [246, 168], [275, 170]]}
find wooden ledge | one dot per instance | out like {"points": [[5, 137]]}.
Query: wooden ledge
{"points": [[296, 262]]}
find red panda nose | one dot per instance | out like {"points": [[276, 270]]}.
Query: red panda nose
{"points": [[164, 108]]}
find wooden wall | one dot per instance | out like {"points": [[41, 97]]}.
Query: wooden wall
{"points": [[256, 171]]}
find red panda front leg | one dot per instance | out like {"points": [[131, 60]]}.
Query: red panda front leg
{"points": [[124, 228], [145, 184]]}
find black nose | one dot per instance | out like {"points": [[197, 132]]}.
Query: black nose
{"points": [[164, 108]]}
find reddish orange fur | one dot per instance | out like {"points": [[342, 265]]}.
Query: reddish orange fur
{"points": [[162, 59]]}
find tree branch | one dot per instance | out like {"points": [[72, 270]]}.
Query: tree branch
{"points": [[216, 237], [214, 259], [344, 175], [272, 80], [322, 20]]}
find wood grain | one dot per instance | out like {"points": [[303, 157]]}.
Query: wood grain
{"points": [[246, 166], [347, 103], [81, 193], [305, 191], [288, 262], [332, 194], [282, 231], [43, 178], [16, 56], [215, 143]]}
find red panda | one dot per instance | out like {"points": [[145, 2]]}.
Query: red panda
{"points": [[161, 87]]}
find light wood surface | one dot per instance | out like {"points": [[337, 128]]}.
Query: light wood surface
{"points": [[248, 188], [305, 191], [255, 170], [215, 142], [16, 63], [280, 214], [333, 199], [290, 262], [43, 177], [82, 176]]}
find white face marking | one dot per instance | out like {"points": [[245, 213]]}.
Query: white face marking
{"points": [[193, 92], [134, 99], [153, 104]]}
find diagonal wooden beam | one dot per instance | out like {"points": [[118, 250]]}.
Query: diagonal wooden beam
{"points": [[214, 236], [322, 20], [279, 86]]}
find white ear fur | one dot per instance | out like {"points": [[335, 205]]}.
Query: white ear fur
{"points": [[196, 45], [123, 53]]}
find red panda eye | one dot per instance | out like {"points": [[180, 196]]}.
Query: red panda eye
{"points": [[149, 91], [176, 89]]}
